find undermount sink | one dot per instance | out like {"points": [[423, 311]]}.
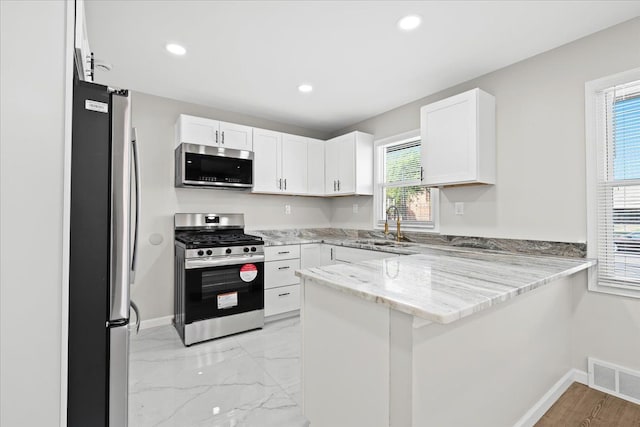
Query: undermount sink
{"points": [[380, 242]]}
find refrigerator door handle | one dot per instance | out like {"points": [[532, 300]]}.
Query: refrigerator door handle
{"points": [[134, 306], [120, 207], [136, 171]]}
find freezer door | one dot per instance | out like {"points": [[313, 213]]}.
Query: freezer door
{"points": [[120, 259], [118, 376]]}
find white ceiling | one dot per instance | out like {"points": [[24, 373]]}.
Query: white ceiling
{"points": [[250, 56]]}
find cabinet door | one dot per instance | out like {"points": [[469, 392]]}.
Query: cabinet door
{"points": [[266, 161], [346, 149], [315, 167], [294, 164], [197, 130], [316, 255], [448, 130], [236, 136], [331, 167]]}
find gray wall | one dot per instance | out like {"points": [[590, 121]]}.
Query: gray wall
{"points": [[540, 189], [154, 117], [31, 166]]}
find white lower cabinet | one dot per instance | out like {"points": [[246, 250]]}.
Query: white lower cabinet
{"points": [[282, 287], [282, 299], [280, 273], [315, 255]]}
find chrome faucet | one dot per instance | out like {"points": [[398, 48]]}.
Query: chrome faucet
{"points": [[399, 235]]}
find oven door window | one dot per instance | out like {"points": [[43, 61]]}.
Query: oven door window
{"points": [[202, 167], [223, 291]]}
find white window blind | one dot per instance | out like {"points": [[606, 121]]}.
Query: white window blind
{"points": [[400, 186], [618, 186]]}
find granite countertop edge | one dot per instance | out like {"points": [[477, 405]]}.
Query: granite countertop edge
{"points": [[357, 279]]}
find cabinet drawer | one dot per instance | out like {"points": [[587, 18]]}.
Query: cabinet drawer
{"points": [[281, 300], [281, 273], [275, 253]]}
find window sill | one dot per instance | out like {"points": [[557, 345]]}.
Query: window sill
{"points": [[594, 286], [425, 230]]}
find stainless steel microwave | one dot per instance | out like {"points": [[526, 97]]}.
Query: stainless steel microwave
{"points": [[215, 167]]}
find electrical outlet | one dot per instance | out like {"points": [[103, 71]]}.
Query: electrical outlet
{"points": [[355, 208], [287, 209], [459, 208]]}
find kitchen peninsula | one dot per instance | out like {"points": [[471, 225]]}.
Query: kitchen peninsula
{"points": [[409, 340]]}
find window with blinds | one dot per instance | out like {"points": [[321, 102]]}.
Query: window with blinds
{"points": [[399, 185], [618, 186]]}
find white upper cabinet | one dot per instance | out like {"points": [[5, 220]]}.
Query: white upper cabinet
{"points": [[315, 167], [199, 130], [349, 164], [294, 164], [236, 136], [267, 168], [280, 163], [458, 140]]}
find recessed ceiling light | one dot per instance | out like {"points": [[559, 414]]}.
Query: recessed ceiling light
{"points": [[305, 88], [409, 22], [176, 49]]}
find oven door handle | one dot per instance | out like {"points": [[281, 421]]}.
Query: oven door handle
{"points": [[221, 261]]}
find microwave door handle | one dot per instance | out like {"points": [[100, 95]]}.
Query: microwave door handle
{"points": [[120, 208], [136, 232]]}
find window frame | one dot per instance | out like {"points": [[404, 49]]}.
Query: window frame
{"points": [[595, 128], [378, 200]]}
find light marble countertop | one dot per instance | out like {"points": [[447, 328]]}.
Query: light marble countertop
{"points": [[437, 283], [445, 285]]}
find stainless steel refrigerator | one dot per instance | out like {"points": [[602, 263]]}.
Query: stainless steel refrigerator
{"points": [[104, 211]]}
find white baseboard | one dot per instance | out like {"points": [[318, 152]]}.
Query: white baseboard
{"points": [[534, 414], [158, 321]]}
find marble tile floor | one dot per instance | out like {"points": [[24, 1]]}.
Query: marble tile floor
{"points": [[250, 379]]}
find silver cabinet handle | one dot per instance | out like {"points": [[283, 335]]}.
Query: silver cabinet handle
{"points": [[284, 268], [216, 137], [284, 252], [280, 184], [120, 208], [334, 185], [338, 185], [223, 137], [421, 174], [331, 257], [136, 170], [285, 183], [284, 294]]}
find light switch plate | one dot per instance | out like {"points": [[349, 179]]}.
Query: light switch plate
{"points": [[459, 208], [287, 209], [355, 208]]}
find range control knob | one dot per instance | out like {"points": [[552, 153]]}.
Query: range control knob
{"points": [[228, 250], [246, 249], [209, 251], [200, 253], [253, 249]]}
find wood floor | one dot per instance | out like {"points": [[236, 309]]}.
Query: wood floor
{"points": [[581, 406]]}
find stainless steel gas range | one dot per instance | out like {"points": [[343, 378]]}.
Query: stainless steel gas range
{"points": [[219, 277]]}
